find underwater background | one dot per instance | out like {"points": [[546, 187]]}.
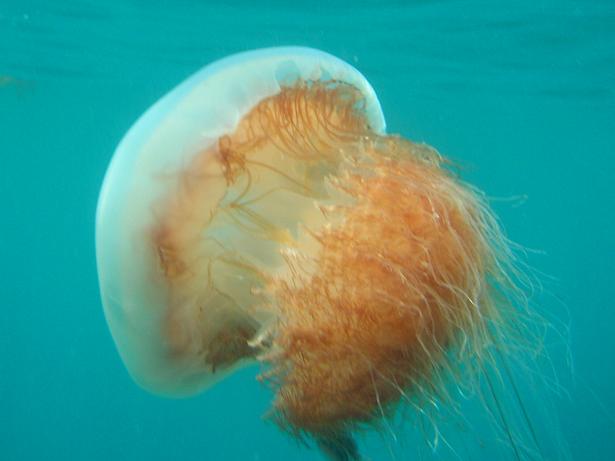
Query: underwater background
{"points": [[520, 94]]}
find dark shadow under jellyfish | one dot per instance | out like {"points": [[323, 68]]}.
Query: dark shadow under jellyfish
{"points": [[260, 214]]}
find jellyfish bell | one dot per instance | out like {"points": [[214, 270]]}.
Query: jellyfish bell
{"points": [[190, 119], [259, 213]]}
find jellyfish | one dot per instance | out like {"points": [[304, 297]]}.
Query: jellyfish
{"points": [[259, 213]]}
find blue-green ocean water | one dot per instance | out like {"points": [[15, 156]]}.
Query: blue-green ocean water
{"points": [[520, 93]]}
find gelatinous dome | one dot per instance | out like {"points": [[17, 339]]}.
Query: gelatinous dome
{"points": [[188, 120]]}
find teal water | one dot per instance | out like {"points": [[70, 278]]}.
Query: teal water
{"points": [[520, 93]]}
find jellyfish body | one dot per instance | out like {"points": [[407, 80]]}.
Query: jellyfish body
{"points": [[259, 213]]}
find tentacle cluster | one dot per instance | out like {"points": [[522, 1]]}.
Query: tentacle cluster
{"points": [[381, 275]]}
